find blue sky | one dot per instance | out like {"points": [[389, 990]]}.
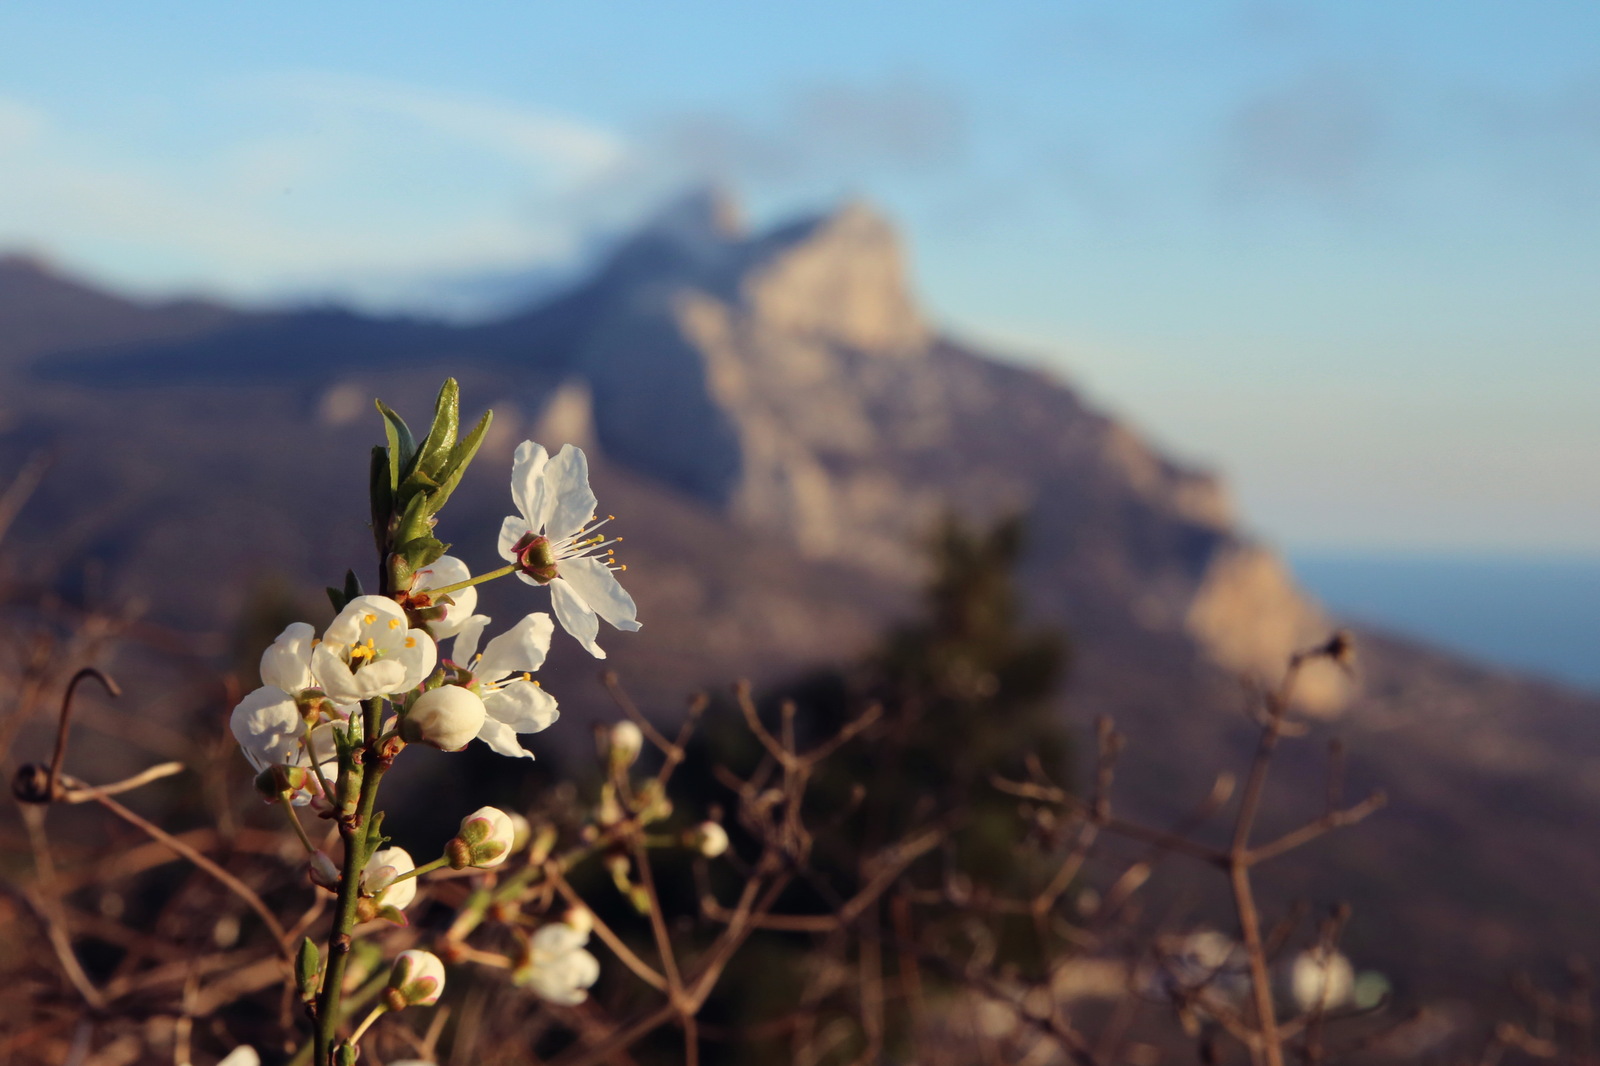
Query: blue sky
{"points": [[1344, 253]]}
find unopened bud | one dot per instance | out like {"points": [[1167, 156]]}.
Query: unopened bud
{"points": [[378, 879], [708, 838], [322, 871], [579, 918], [624, 743], [416, 980], [485, 840], [446, 718]]}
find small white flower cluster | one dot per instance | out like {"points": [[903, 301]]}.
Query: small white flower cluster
{"points": [[373, 650], [334, 711]]}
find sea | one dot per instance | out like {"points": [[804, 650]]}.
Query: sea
{"points": [[1538, 615]]}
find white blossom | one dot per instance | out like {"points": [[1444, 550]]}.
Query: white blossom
{"points": [[502, 675], [556, 967], [444, 571], [369, 650], [378, 878], [553, 542], [417, 979], [709, 839], [1320, 980], [269, 724], [446, 718]]}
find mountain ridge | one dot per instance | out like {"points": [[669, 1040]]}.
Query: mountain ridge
{"points": [[776, 450]]}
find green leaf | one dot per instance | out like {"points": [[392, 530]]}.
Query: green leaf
{"points": [[382, 497], [423, 551], [402, 445], [414, 523], [460, 456], [352, 586], [336, 597], [307, 965], [441, 439]]}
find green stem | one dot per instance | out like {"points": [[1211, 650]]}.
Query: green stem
{"points": [[366, 1023], [357, 834], [294, 820], [480, 579], [425, 868]]}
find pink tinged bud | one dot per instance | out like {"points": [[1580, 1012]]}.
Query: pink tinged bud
{"points": [[708, 838], [447, 718], [416, 980], [323, 871], [487, 836]]}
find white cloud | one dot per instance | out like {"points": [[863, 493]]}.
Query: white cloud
{"points": [[537, 139]]}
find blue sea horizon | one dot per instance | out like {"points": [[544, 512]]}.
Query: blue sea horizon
{"points": [[1534, 614]]}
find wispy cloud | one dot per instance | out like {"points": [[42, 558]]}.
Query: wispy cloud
{"points": [[304, 184]]}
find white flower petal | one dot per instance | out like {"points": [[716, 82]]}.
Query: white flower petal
{"points": [[348, 686], [567, 486], [512, 530], [522, 705], [528, 482], [466, 645], [381, 869], [363, 618], [502, 739], [418, 655], [267, 725], [520, 649], [242, 1056], [448, 570], [287, 662], [558, 938], [575, 616], [592, 580]]}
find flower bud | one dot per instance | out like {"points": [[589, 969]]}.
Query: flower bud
{"points": [[624, 743], [708, 838], [446, 718], [579, 918], [377, 878], [485, 840], [322, 871], [416, 980]]}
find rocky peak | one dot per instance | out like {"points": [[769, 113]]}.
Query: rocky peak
{"points": [[839, 278]]}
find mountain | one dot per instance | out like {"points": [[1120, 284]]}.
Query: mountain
{"points": [[777, 426]]}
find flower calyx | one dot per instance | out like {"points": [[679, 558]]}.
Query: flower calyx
{"points": [[536, 558]]}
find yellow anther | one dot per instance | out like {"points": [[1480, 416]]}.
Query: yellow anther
{"points": [[624, 566], [527, 677], [611, 518], [411, 642], [394, 623], [369, 619], [618, 540]]}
